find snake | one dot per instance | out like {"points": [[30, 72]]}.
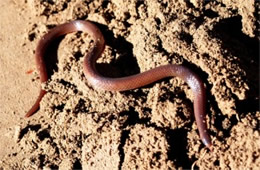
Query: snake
{"points": [[122, 83]]}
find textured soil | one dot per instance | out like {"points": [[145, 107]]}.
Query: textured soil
{"points": [[153, 127]]}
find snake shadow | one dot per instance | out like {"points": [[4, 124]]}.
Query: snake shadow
{"points": [[124, 65]]}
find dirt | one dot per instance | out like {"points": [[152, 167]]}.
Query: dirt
{"points": [[153, 127]]}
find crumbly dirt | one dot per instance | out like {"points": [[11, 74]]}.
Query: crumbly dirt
{"points": [[153, 127]]}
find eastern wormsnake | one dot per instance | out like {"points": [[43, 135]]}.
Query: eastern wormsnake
{"points": [[124, 83]]}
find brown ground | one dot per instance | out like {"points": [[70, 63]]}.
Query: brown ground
{"points": [[147, 128]]}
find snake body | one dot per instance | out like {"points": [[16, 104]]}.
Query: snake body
{"points": [[124, 83]]}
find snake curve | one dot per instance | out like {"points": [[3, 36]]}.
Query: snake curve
{"points": [[123, 83]]}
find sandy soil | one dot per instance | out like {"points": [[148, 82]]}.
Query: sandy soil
{"points": [[148, 128]]}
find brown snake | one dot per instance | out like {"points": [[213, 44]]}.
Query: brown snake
{"points": [[124, 83]]}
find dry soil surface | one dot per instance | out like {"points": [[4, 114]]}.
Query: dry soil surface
{"points": [[153, 127]]}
